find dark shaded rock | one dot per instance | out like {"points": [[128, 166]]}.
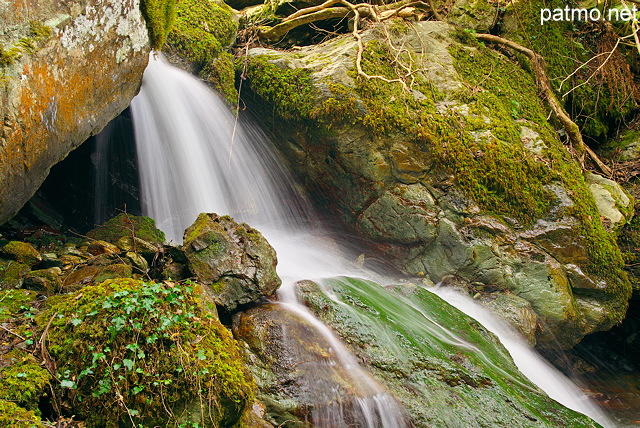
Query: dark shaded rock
{"points": [[44, 281], [233, 259], [102, 247]]}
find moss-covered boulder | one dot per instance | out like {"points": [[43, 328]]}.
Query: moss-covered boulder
{"points": [[22, 252], [453, 170], [204, 32], [12, 274], [128, 227], [14, 416], [234, 260], [451, 371], [146, 353]]}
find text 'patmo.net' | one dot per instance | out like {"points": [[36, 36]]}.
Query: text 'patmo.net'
{"points": [[579, 14]]}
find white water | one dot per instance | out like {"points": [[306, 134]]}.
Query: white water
{"points": [[191, 161], [531, 364]]}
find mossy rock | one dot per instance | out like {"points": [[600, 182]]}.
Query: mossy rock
{"points": [[12, 274], [159, 15], [449, 363], [14, 416], [22, 380], [203, 33], [127, 225], [12, 302], [22, 252], [131, 350]]}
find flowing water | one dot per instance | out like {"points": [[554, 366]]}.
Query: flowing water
{"points": [[194, 157]]}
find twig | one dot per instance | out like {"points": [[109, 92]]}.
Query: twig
{"points": [[542, 81]]}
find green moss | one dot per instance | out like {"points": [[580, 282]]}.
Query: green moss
{"points": [[599, 103], [22, 380], [13, 302], [127, 225], [130, 350], [22, 252], [38, 32], [12, 273], [203, 31], [290, 91], [13, 416], [159, 15]]}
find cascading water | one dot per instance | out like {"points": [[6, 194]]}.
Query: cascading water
{"points": [[193, 157]]}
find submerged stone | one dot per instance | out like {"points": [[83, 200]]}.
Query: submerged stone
{"points": [[233, 259]]}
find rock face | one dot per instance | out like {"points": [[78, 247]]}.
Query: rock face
{"points": [[456, 173], [66, 70], [234, 259]]}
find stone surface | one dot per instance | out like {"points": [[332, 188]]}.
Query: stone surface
{"points": [[235, 260], [76, 65], [614, 204], [296, 368], [410, 183], [450, 372]]}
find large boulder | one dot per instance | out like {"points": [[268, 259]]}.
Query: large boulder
{"points": [[235, 260], [66, 71], [455, 171]]}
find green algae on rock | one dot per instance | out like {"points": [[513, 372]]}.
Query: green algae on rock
{"points": [[160, 15], [148, 353], [442, 374]]}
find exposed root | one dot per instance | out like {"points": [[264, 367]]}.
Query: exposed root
{"points": [[538, 64]]}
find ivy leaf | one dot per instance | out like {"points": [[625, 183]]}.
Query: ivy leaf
{"points": [[68, 384], [128, 363]]}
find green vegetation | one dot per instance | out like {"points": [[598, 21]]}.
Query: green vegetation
{"points": [[38, 32], [23, 380], [203, 31], [11, 415], [147, 353], [13, 302], [598, 105], [290, 91], [127, 225], [159, 15]]}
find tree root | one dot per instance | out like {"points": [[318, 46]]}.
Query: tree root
{"points": [[570, 127]]}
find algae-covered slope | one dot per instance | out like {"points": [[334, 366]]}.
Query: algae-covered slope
{"points": [[454, 170], [444, 367]]}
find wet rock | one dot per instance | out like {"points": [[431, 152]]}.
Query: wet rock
{"points": [[516, 311], [233, 259], [295, 368], [448, 362], [22, 252], [469, 182], [138, 261], [138, 245]]}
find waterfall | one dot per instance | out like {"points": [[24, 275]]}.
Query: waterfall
{"points": [[194, 157]]}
